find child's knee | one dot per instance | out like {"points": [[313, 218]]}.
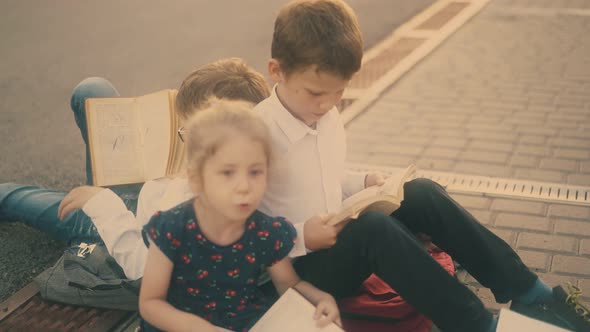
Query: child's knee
{"points": [[8, 188], [373, 224], [421, 188], [91, 87]]}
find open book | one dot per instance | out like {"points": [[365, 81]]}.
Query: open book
{"points": [[385, 198], [291, 313], [133, 140]]}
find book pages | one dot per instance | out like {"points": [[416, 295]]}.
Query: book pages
{"points": [[154, 133], [113, 138], [384, 199], [176, 153], [291, 313]]}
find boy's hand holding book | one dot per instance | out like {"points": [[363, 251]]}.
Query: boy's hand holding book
{"points": [[381, 194], [374, 179], [318, 234]]}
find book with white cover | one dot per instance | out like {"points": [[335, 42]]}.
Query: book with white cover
{"points": [[291, 313], [511, 321]]}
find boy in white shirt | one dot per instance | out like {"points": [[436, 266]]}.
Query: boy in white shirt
{"points": [[316, 48], [104, 215]]}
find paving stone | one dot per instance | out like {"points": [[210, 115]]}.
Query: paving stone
{"points": [[492, 135], [574, 118], [569, 211], [585, 247], [500, 105], [393, 149], [525, 120], [476, 201], [563, 125], [535, 130], [564, 226], [507, 235], [554, 279], [435, 164], [484, 156], [484, 169], [547, 242], [439, 152], [579, 133], [568, 142], [483, 216], [579, 179], [533, 150], [446, 133], [489, 122], [539, 261], [524, 161], [491, 146], [504, 129], [559, 164], [578, 154], [533, 139], [394, 160], [584, 285], [514, 220], [540, 175], [520, 206], [407, 139], [571, 264], [487, 297], [449, 142]]}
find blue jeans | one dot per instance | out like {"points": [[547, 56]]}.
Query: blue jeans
{"points": [[37, 207]]}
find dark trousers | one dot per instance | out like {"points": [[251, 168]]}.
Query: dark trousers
{"points": [[386, 246]]}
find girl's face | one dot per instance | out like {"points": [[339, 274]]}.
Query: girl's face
{"points": [[234, 179]]}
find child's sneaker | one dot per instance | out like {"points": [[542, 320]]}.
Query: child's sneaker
{"points": [[565, 310]]}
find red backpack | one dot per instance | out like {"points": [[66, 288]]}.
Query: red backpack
{"points": [[378, 308]]}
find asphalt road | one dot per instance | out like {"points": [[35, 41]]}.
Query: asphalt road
{"points": [[46, 48]]}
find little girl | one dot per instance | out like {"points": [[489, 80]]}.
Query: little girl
{"points": [[206, 254]]}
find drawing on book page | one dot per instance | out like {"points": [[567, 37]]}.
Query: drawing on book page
{"points": [[118, 156]]}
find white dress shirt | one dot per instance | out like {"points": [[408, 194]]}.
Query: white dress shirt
{"points": [[121, 230], [307, 175]]}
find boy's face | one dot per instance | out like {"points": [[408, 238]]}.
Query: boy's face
{"points": [[308, 94], [234, 179]]}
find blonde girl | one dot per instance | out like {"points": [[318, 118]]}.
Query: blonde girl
{"points": [[206, 254]]}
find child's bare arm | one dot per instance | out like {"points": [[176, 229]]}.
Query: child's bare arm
{"points": [[284, 277], [76, 199], [118, 227], [153, 306]]}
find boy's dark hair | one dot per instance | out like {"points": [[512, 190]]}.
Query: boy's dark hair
{"points": [[230, 79], [324, 33]]}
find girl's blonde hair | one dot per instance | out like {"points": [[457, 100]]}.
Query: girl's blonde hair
{"points": [[209, 128]]}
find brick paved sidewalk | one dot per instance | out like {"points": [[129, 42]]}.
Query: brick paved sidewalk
{"points": [[508, 96]]}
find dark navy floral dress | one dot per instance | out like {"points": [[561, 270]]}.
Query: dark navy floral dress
{"points": [[218, 283]]}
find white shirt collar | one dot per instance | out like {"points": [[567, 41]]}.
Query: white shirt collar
{"points": [[293, 128]]}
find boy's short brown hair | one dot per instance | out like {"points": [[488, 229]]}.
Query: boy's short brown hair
{"points": [[230, 79], [324, 33]]}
